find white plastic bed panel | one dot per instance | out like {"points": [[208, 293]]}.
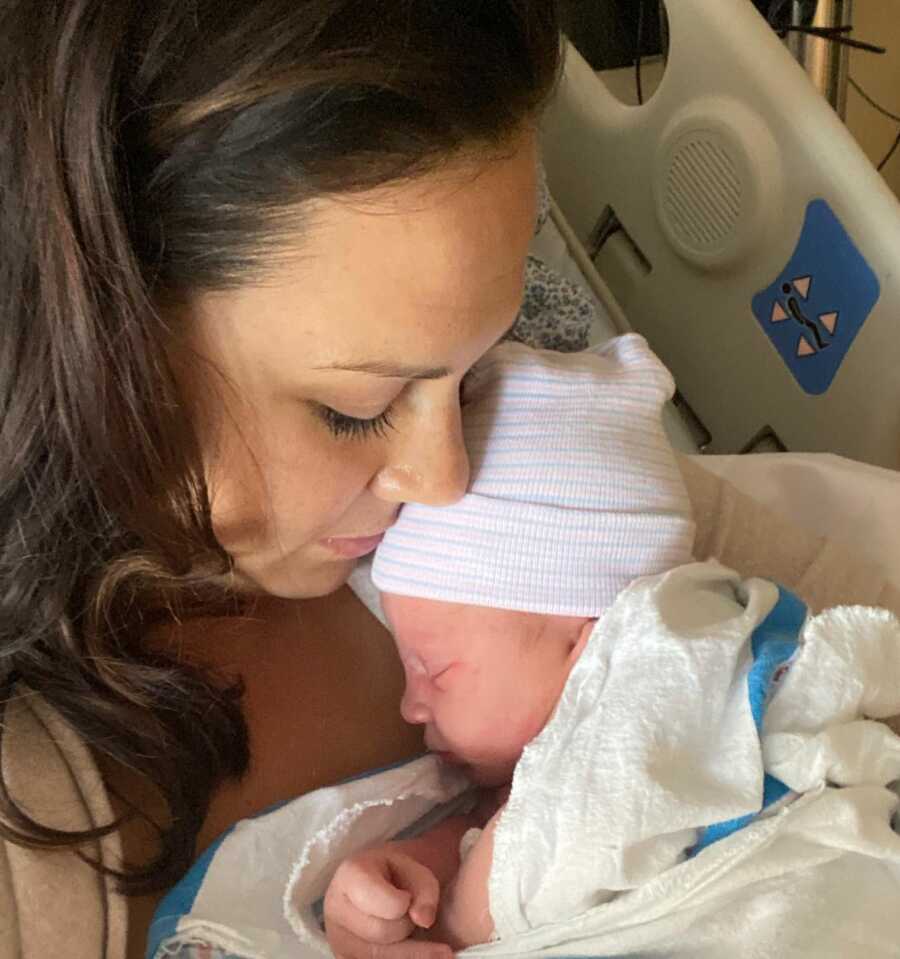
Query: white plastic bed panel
{"points": [[558, 247], [760, 248], [856, 504]]}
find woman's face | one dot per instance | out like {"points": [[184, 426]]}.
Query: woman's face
{"points": [[335, 396]]}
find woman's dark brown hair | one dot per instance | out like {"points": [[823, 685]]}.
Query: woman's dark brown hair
{"points": [[151, 147]]}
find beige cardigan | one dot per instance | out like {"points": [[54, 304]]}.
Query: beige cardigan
{"points": [[52, 904]]}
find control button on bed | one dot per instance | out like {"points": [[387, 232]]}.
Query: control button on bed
{"points": [[814, 309]]}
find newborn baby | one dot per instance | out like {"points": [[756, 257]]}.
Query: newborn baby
{"points": [[651, 714], [575, 492]]}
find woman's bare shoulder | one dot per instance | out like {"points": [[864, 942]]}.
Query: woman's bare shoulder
{"points": [[322, 692]]}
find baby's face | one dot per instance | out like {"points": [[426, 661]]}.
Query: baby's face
{"points": [[483, 681]]}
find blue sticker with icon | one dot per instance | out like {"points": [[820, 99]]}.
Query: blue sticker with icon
{"points": [[818, 303]]}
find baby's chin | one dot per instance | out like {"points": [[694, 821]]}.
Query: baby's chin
{"points": [[490, 776]]}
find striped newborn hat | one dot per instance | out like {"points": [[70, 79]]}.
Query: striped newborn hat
{"points": [[574, 488]]}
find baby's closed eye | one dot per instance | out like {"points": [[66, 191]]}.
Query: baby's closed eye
{"points": [[442, 674]]}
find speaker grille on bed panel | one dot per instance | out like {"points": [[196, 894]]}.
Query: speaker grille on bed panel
{"points": [[703, 193]]}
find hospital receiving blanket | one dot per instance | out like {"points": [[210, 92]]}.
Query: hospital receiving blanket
{"points": [[711, 784], [231, 903]]}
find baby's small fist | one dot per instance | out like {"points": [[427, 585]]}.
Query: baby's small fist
{"points": [[380, 896]]}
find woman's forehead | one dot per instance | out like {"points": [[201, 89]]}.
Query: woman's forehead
{"points": [[427, 264], [467, 221]]}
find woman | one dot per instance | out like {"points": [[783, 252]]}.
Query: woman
{"points": [[249, 250]]}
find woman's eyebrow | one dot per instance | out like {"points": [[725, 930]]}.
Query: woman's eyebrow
{"points": [[398, 370]]}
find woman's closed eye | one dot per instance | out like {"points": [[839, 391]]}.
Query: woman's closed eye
{"points": [[351, 427]]}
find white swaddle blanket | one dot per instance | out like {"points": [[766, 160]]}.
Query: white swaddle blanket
{"points": [[657, 736], [635, 823]]}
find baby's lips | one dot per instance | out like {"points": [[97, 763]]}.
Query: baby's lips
{"points": [[445, 756]]}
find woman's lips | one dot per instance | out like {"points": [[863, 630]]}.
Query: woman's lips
{"points": [[352, 547]]}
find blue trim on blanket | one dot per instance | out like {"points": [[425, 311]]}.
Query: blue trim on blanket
{"points": [[180, 899], [773, 643]]}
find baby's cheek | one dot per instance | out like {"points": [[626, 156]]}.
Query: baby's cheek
{"points": [[522, 725], [531, 726]]}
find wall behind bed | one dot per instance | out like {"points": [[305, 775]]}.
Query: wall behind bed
{"points": [[606, 33], [879, 76]]}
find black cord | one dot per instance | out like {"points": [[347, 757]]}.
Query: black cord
{"points": [[778, 20], [835, 35], [889, 154], [883, 112], [639, 42], [871, 102]]}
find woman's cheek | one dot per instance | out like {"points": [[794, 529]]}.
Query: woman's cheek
{"points": [[276, 485]]}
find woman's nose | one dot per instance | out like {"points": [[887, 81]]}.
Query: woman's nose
{"points": [[429, 466], [413, 708]]}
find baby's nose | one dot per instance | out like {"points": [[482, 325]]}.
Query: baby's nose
{"points": [[412, 707]]}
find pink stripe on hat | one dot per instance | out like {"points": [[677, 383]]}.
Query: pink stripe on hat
{"points": [[575, 490]]}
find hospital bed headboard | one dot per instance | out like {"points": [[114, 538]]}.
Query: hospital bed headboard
{"points": [[759, 251]]}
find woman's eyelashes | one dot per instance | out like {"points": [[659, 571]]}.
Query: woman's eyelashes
{"points": [[343, 426]]}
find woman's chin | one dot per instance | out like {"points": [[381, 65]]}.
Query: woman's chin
{"points": [[294, 577]]}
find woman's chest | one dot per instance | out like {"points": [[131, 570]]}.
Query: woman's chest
{"points": [[322, 686], [322, 694]]}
